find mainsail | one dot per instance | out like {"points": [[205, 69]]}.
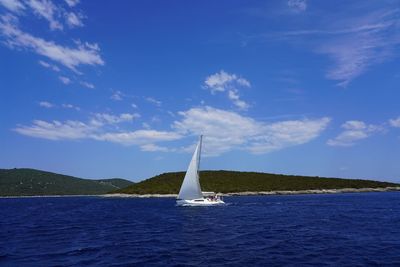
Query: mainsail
{"points": [[190, 188]]}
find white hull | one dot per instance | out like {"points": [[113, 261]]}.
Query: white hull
{"points": [[199, 202]]}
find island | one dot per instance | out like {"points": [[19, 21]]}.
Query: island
{"points": [[31, 182], [252, 183]]}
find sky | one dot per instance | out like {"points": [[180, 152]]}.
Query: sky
{"points": [[101, 89]]}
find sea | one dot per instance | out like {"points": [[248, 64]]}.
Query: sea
{"points": [[354, 229]]}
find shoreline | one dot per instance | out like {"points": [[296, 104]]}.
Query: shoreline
{"points": [[246, 193], [277, 192]]}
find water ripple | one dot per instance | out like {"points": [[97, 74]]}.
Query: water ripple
{"points": [[312, 230]]}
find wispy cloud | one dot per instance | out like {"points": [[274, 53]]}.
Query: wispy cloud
{"points": [[94, 129], [355, 42], [57, 130], [105, 118], [87, 85], [234, 96], [367, 40], [154, 148], [226, 82], [153, 101], [13, 5], [360, 47], [76, 130], [64, 80], [139, 137], [354, 131], [48, 10], [395, 122], [49, 66], [72, 3], [74, 20], [117, 96], [297, 5], [70, 106], [82, 54], [46, 104]]}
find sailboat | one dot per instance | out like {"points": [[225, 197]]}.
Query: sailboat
{"points": [[190, 193]]}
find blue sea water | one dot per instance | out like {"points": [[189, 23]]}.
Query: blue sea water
{"points": [[360, 229]]}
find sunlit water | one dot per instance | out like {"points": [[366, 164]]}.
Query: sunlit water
{"points": [[332, 230]]}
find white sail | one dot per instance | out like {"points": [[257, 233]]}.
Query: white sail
{"points": [[190, 188]]}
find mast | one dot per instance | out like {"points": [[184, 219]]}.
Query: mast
{"points": [[199, 155]]}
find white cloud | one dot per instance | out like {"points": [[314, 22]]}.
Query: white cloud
{"points": [[64, 80], [154, 148], [217, 82], [70, 106], [47, 10], [74, 20], [226, 82], [95, 129], [117, 96], [284, 134], [395, 122], [225, 130], [72, 3], [83, 54], [46, 104], [139, 137], [153, 101], [113, 119], [243, 82], [87, 85], [353, 132], [297, 5], [70, 129], [56, 130], [49, 66], [222, 81], [233, 95], [13, 5], [134, 105]]}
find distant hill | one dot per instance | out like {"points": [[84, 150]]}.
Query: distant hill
{"points": [[29, 182], [232, 181]]}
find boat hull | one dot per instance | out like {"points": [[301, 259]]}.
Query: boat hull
{"points": [[199, 202]]}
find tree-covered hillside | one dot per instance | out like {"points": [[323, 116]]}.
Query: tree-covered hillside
{"points": [[29, 182], [232, 181]]}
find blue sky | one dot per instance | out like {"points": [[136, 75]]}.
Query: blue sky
{"points": [[101, 89]]}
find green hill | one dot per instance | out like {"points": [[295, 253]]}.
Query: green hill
{"points": [[232, 181], [29, 182]]}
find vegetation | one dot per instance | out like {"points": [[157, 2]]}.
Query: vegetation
{"points": [[28, 182], [231, 181]]}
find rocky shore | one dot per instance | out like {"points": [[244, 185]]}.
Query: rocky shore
{"points": [[298, 192], [317, 191]]}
